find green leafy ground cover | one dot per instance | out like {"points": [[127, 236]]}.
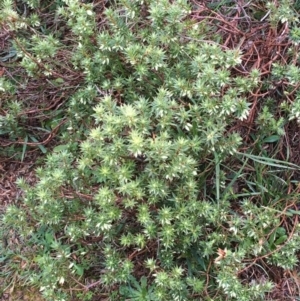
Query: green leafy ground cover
{"points": [[167, 149]]}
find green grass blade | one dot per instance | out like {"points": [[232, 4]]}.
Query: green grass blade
{"points": [[217, 163], [270, 161], [24, 148], [237, 175], [40, 146]]}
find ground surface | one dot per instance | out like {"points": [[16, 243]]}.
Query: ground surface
{"points": [[260, 47]]}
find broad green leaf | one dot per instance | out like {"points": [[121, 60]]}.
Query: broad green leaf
{"points": [[271, 139]]}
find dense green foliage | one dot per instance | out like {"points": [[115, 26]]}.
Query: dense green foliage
{"points": [[137, 199]]}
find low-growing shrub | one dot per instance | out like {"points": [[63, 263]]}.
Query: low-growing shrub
{"points": [[138, 200]]}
